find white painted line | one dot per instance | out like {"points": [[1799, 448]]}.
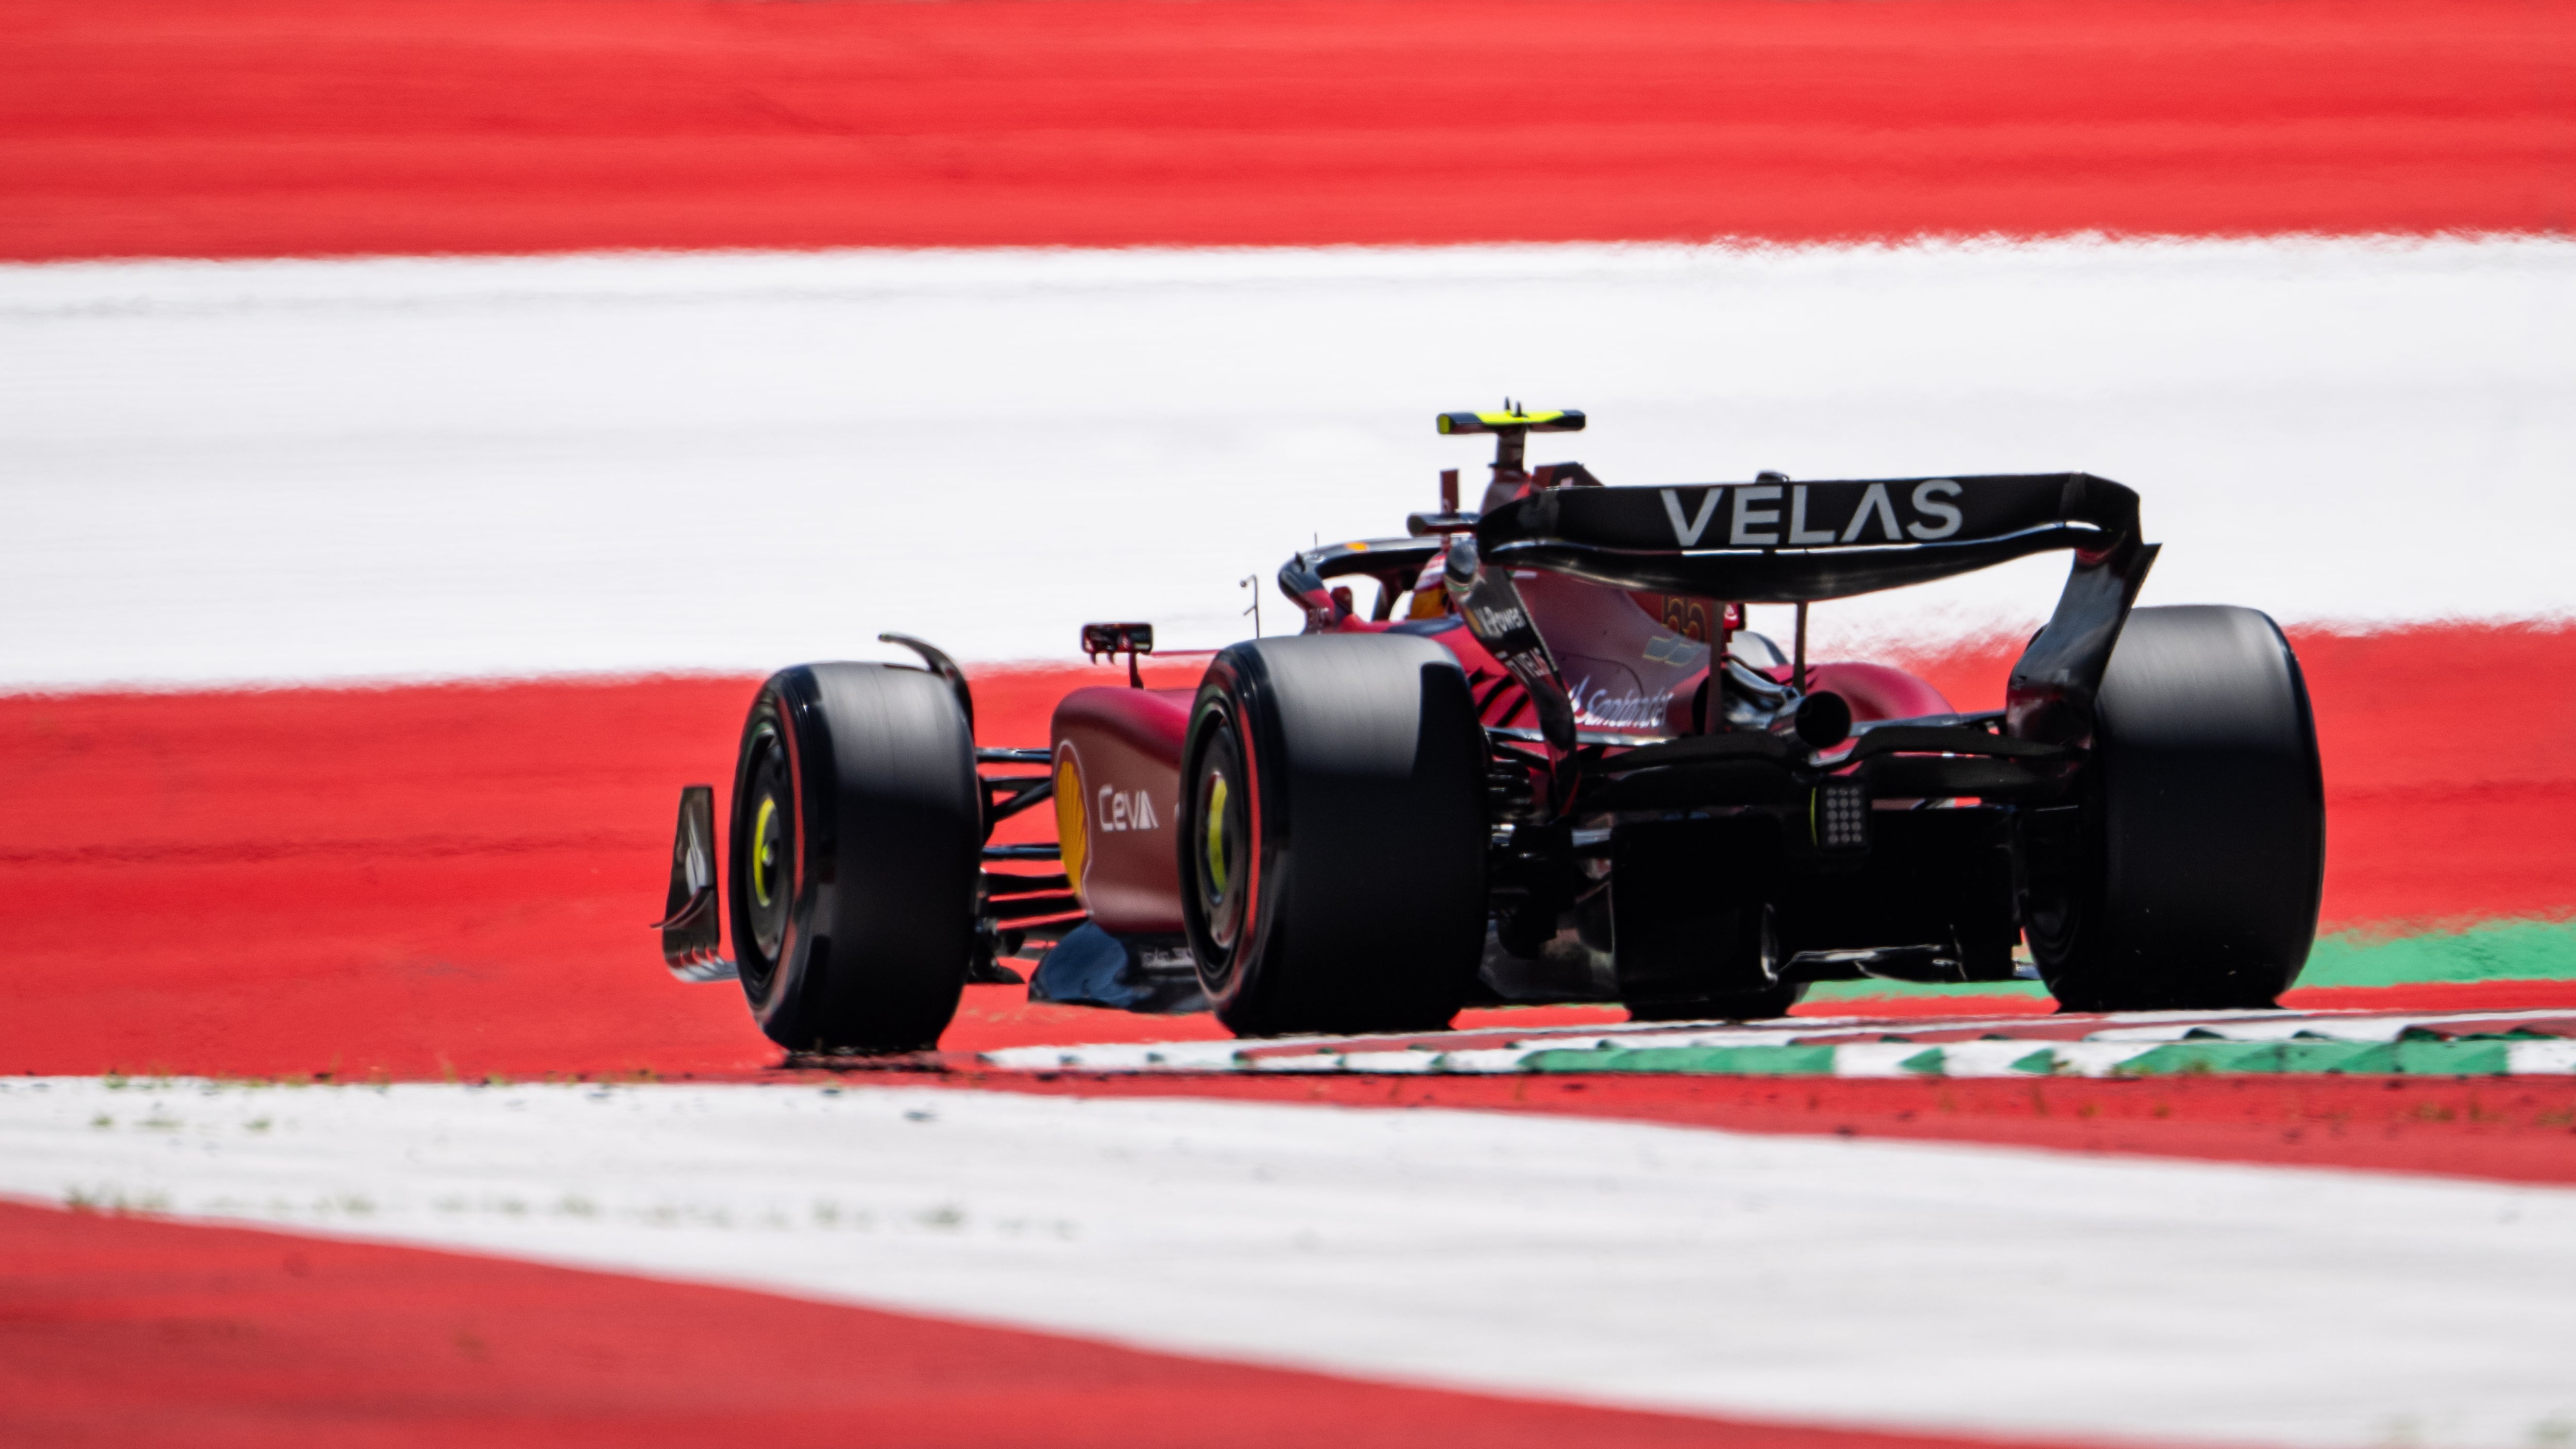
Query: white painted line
{"points": [[1877, 1059], [1782, 1035], [2329, 1025], [1196, 1056], [2287, 1028], [398, 468], [1483, 1060], [1569, 1043], [1909, 1286], [1980, 1058], [2095, 1058], [2101, 1053], [1404, 1061], [1119, 1057], [2541, 1058], [1308, 1062]]}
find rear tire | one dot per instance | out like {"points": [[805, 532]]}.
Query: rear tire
{"points": [[1333, 835], [856, 844], [2188, 876]]}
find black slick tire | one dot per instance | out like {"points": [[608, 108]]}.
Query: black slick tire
{"points": [[856, 845], [2188, 875], [1333, 835]]}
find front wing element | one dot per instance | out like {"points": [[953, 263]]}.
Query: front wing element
{"points": [[692, 918]]}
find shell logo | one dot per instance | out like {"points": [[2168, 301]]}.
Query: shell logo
{"points": [[1072, 823]]}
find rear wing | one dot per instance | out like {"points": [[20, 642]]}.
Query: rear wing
{"points": [[1791, 543], [1775, 541]]}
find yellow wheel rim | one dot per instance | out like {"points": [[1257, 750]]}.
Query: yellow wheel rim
{"points": [[1216, 835], [764, 848]]}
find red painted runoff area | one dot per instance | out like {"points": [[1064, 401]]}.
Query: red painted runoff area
{"points": [[2513, 1130], [245, 128], [455, 880], [136, 1333]]}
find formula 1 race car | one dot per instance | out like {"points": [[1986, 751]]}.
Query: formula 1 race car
{"points": [[1548, 764]]}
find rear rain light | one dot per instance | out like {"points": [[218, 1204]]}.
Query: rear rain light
{"points": [[1839, 815]]}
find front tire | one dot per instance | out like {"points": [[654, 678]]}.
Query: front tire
{"points": [[1333, 835], [2188, 876], [856, 845]]}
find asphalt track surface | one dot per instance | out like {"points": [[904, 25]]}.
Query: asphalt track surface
{"points": [[448, 880]]}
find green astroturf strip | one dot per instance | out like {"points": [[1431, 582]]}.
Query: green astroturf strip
{"points": [[1748, 1061], [2437, 1058], [2413, 1055], [2492, 951], [2489, 951]]}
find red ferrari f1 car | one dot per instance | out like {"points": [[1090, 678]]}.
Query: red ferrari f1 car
{"points": [[1547, 763]]}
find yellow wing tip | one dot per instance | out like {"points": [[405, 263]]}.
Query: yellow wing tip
{"points": [[1552, 420]]}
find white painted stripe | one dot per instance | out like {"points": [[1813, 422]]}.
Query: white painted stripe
{"points": [[1876, 1059], [1483, 1060], [1781, 1035], [1302, 1062], [331, 469], [1181, 1056], [2332, 1025], [1859, 1282], [2082, 1058], [2542, 1058], [2011, 1042], [1404, 1061]]}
